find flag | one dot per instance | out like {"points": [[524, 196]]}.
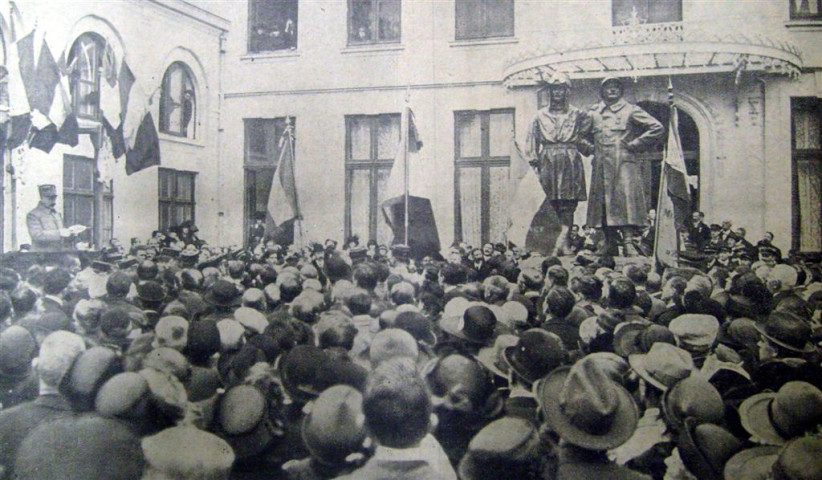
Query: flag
{"points": [[282, 203], [42, 98], [114, 128], [19, 108], [674, 198], [146, 150], [525, 199], [110, 104], [409, 144]]}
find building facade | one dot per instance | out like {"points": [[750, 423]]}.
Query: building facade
{"points": [[745, 78], [172, 49]]}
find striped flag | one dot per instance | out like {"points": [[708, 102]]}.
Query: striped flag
{"points": [[674, 203], [527, 196], [282, 200]]}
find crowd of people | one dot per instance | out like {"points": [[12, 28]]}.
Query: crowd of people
{"points": [[172, 360]]}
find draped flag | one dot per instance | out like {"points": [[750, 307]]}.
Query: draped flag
{"points": [[20, 59], [410, 217], [674, 198], [526, 197], [283, 208]]}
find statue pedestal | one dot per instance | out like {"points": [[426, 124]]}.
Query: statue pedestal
{"points": [[545, 228]]}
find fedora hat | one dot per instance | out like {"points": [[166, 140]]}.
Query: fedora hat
{"points": [[536, 353], [242, 415], [774, 418], [787, 331], [476, 325], [505, 448], [706, 447], [626, 338], [663, 365], [801, 459], [585, 408], [751, 464], [493, 357], [223, 294]]}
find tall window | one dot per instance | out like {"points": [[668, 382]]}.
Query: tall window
{"points": [[373, 21], [483, 153], [806, 114], [272, 25], [176, 197], [85, 201], [806, 9], [370, 146], [86, 61], [635, 12], [178, 104], [477, 19], [262, 152]]}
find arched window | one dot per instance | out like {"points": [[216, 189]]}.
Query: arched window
{"points": [[87, 59], [178, 107]]}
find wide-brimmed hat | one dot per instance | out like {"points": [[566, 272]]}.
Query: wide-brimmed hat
{"points": [[505, 448], [626, 338], [751, 464], [801, 459], [787, 331], [585, 408], [536, 353], [663, 365], [224, 294], [774, 418], [475, 325], [493, 357], [705, 448]]}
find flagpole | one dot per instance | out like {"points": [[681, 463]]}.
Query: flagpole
{"points": [[298, 213], [663, 183], [406, 125]]}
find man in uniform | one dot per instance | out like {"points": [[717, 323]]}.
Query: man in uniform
{"points": [[620, 131], [46, 225], [552, 149]]}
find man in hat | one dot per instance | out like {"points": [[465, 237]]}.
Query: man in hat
{"points": [[46, 225], [620, 131], [552, 149]]}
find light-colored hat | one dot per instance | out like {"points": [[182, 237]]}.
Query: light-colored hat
{"points": [[695, 333], [663, 365], [205, 456]]}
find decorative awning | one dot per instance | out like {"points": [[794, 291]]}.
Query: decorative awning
{"points": [[654, 49]]}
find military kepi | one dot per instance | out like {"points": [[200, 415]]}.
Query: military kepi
{"points": [[47, 190]]}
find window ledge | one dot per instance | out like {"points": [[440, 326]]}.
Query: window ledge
{"points": [[181, 140], [269, 56], [804, 24], [372, 48], [479, 42]]}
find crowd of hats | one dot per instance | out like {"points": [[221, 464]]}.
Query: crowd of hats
{"points": [[306, 363]]}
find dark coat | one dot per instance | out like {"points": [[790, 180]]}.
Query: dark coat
{"points": [[579, 464], [17, 422], [619, 133]]}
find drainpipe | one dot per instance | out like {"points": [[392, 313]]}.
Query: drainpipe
{"points": [[218, 193], [763, 171]]}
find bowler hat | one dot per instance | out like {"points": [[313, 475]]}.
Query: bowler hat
{"points": [[706, 447], [151, 292], [505, 448], [536, 353], [663, 365], [335, 426], [476, 325], [47, 190], [585, 408], [774, 418], [223, 294], [243, 419]]}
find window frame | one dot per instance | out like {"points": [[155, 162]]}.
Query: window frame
{"points": [[798, 104], [165, 101], [485, 34], [101, 229], [252, 21], [375, 19], [172, 201], [75, 75], [373, 164], [794, 14], [485, 162], [648, 7]]}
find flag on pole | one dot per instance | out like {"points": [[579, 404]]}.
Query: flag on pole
{"points": [[525, 199], [409, 144], [282, 204], [674, 198], [20, 58]]}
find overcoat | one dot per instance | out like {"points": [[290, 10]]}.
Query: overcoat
{"points": [[619, 133], [44, 226]]}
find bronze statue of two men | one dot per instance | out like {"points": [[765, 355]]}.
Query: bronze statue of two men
{"points": [[615, 132]]}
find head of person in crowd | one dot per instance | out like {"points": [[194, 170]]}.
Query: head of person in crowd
{"points": [[57, 354]]}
